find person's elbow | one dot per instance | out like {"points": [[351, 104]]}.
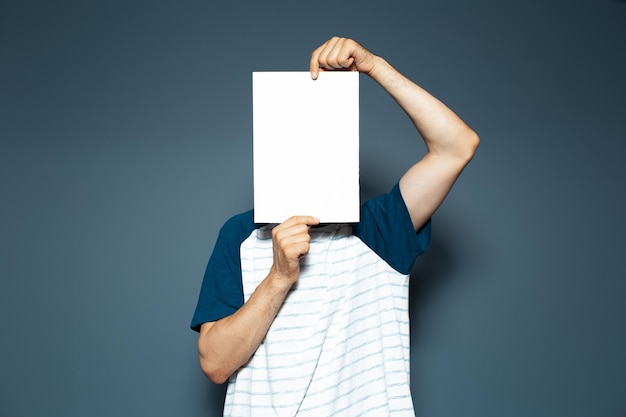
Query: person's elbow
{"points": [[213, 363], [468, 145], [216, 373], [462, 148]]}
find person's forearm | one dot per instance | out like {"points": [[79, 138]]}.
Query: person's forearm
{"points": [[443, 131], [227, 344]]}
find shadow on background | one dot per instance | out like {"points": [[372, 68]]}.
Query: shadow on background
{"points": [[430, 274], [211, 397]]}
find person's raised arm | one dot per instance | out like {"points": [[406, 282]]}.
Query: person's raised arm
{"points": [[450, 143], [227, 344]]}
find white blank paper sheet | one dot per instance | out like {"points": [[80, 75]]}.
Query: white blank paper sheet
{"points": [[306, 146]]}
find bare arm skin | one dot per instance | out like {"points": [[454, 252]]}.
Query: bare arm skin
{"points": [[450, 143], [227, 344]]}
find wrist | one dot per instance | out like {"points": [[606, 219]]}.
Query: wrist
{"points": [[281, 282], [378, 67]]}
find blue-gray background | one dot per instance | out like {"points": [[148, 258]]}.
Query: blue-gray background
{"points": [[125, 132]]}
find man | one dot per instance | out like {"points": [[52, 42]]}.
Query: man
{"points": [[312, 320]]}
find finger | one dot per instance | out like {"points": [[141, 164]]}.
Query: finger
{"points": [[294, 230], [296, 244], [285, 233], [341, 54], [292, 245], [318, 58], [345, 53], [328, 55], [306, 220], [300, 249], [314, 65], [335, 54]]}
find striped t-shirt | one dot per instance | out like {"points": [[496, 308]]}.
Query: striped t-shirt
{"points": [[339, 345]]}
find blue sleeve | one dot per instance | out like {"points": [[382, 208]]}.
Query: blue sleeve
{"points": [[387, 229], [221, 293]]}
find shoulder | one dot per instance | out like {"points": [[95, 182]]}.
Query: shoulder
{"points": [[233, 233], [239, 226], [221, 293], [238, 221]]}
